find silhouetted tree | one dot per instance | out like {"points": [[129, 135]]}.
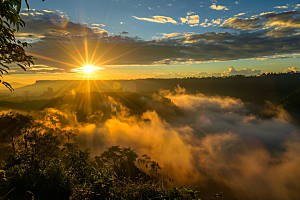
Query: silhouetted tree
{"points": [[45, 145], [11, 49], [122, 161], [149, 166], [13, 126]]}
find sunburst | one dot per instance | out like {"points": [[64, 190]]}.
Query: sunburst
{"points": [[89, 69]]}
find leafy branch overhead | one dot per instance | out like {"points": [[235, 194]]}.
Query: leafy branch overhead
{"points": [[11, 49]]}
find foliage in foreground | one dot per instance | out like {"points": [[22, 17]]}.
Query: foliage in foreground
{"points": [[39, 162], [80, 178]]}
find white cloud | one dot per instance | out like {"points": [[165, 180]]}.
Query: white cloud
{"points": [[168, 35], [98, 25], [213, 22], [192, 19], [205, 24], [158, 19], [48, 11], [237, 2], [190, 12], [281, 7], [218, 7], [169, 5], [217, 21], [290, 69], [232, 71], [265, 13], [240, 14], [150, 8], [100, 31]]}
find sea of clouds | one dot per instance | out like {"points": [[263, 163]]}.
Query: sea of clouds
{"points": [[210, 142]]}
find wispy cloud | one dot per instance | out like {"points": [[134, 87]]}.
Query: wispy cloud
{"points": [[183, 74], [190, 12], [282, 7], [171, 35], [232, 71], [239, 14], [242, 24], [288, 20], [158, 19], [98, 25], [56, 42], [213, 22], [218, 7], [48, 11]]}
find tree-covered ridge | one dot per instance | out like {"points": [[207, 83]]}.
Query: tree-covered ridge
{"points": [[40, 161]]}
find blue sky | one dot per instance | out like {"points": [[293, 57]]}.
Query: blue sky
{"points": [[118, 15], [160, 38]]}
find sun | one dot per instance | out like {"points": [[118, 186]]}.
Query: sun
{"points": [[88, 69]]}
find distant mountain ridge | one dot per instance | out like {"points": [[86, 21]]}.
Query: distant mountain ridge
{"points": [[16, 85], [272, 87]]}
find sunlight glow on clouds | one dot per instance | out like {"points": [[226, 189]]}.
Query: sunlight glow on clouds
{"points": [[54, 36], [232, 71], [282, 7], [291, 69], [213, 22], [192, 19], [242, 24], [218, 7], [98, 25], [190, 12], [288, 19], [158, 19], [170, 35], [240, 14]]}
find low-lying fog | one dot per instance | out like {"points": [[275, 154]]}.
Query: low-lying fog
{"points": [[218, 143]]}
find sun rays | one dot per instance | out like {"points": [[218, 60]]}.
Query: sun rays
{"points": [[86, 57], [88, 71]]}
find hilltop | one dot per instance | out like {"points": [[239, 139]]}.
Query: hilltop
{"points": [[254, 89]]}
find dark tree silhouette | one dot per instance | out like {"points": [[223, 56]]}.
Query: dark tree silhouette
{"points": [[122, 161], [13, 126], [11, 49]]}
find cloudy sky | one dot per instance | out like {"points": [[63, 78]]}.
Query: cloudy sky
{"points": [[126, 39]]}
